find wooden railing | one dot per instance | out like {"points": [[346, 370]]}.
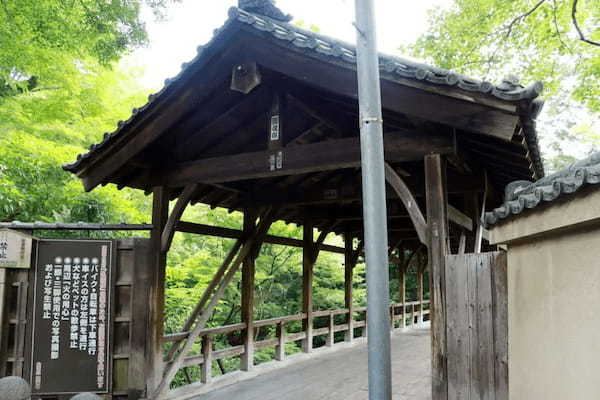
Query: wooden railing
{"points": [[401, 316]]}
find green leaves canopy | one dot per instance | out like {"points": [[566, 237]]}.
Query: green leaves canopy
{"points": [[491, 38], [44, 41]]}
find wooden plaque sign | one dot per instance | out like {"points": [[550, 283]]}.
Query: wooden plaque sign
{"points": [[15, 249], [72, 317]]}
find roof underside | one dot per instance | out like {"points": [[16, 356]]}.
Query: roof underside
{"points": [[197, 120]]}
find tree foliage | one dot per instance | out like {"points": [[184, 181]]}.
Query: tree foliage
{"points": [[540, 39], [46, 43], [41, 130]]}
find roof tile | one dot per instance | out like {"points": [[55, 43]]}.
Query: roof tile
{"points": [[523, 195]]}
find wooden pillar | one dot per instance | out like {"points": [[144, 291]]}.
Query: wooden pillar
{"points": [[473, 211], [420, 292], [158, 261], [331, 334], [402, 286], [248, 274], [280, 350], [348, 283], [206, 370], [437, 228], [307, 284], [140, 316]]}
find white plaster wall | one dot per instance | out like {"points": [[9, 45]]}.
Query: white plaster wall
{"points": [[554, 317]]}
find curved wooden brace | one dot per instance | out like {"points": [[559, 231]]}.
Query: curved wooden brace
{"points": [[170, 227], [317, 245], [408, 200]]}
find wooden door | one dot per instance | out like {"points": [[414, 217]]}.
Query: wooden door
{"points": [[477, 326]]}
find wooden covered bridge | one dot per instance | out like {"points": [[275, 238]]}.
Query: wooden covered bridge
{"points": [[265, 121]]}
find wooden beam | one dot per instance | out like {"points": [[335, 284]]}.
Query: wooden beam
{"points": [[182, 202], [459, 218], [323, 117], [437, 221], [229, 233], [348, 191], [43, 226], [408, 200], [314, 157]]}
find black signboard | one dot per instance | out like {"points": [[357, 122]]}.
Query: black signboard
{"points": [[71, 322]]}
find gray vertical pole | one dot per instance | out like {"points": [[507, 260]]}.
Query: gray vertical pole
{"points": [[374, 207]]}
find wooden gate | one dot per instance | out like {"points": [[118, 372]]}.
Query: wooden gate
{"points": [[128, 329], [477, 326]]}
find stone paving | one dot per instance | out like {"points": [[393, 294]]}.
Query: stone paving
{"points": [[340, 374]]}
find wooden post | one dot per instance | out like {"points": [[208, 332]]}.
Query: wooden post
{"points": [[420, 293], [348, 283], [280, 350], [402, 285], [248, 273], [473, 211], [307, 283], [140, 315], [158, 260], [331, 335], [437, 224], [206, 372]]}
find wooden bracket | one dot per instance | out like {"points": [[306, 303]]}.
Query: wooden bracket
{"points": [[245, 77], [317, 245], [408, 200], [170, 227]]}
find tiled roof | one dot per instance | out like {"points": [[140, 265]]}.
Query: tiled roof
{"points": [[523, 195], [310, 42]]}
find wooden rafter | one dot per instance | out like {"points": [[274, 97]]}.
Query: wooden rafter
{"points": [[234, 118]]}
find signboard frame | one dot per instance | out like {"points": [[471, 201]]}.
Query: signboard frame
{"points": [[11, 236], [112, 259]]}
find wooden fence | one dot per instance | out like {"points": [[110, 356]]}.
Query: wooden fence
{"points": [[409, 314]]}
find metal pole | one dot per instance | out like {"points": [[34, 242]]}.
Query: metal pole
{"points": [[374, 207]]}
